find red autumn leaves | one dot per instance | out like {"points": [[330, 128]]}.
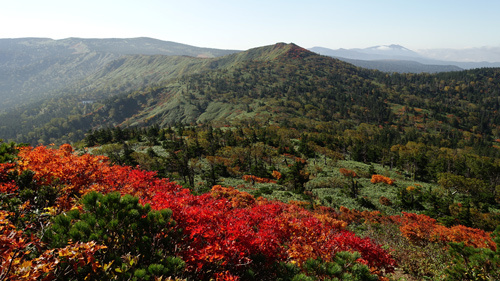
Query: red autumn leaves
{"points": [[221, 232]]}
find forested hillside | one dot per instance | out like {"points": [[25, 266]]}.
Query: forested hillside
{"points": [[275, 82], [32, 69], [281, 165]]}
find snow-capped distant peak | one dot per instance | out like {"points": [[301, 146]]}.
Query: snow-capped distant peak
{"points": [[389, 50]]}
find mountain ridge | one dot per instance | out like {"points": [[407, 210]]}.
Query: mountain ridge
{"points": [[236, 77], [32, 68], [277, 83]]}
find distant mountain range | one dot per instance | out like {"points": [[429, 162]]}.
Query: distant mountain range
{"points": [[35, 68], [31, 68], [396, 58]]}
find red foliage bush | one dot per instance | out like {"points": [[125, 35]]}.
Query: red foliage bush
{"points": [[220, 232]]}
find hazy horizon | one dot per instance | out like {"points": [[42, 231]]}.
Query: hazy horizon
{"points": [[416, 25]]}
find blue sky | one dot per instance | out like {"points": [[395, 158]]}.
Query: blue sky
{"points": [[224, 24]]}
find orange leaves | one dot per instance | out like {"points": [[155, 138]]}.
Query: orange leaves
{"points": [[252, 178], [12, 244], [50, 262], [418, 228], [8, 187], [226, 276], [81, 254], [14, 264], [350, 216], [276, 175], [330, 222], [422, 229], [75, 175], [348, 173], [61, 167], [238, 198], [380, 178], [4, 169]]}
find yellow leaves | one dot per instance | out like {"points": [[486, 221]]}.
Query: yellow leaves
{"points": [[25, 206], [81, 254], [107, 266], [52, 211], [75, 255]]}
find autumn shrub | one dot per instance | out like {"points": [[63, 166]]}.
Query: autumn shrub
{"points": [[267, 232], [470, 263], [348, 173], [254, 179], [426, 262], [384, 201], [421, 229], [356, 216], [224, 234], [383, 179], [238, 198]]}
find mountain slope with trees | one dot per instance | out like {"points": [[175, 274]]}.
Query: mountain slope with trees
{"points": [[408, 161], [35, 68], [275, 82], [266, 82]]}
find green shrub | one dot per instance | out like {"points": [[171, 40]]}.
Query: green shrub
{"points": [[138, 239], [343, 267]]}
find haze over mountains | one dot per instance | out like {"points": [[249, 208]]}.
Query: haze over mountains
{"points": [[278, 82], [396, 58], [34, 67]]}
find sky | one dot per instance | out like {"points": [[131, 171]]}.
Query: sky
{"points": [[241, 25]]}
